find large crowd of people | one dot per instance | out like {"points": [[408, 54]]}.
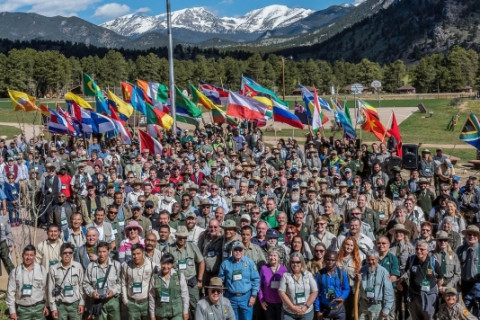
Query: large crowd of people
{"points": [[222, 225]]}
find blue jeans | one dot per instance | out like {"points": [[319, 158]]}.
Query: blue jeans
{"points": [[13, 212], [289, 316], [240, 306]]}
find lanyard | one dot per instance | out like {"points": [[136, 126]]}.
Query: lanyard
{"points": [[23, 274], [421, 271]]}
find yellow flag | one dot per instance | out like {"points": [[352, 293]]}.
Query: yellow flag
{"points": [[265, 101], [78, 100], [22, 101], [122, 107]]}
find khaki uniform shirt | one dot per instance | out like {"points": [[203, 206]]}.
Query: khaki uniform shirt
{"points": [[18, 288], [185, 259], [156, 256], [95, 276], [48, 254], [456, 312], [255, 253], [70, 279], [136, 281]]}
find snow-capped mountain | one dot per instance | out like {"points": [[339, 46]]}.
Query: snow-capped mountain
{"points": [[198, 19]]}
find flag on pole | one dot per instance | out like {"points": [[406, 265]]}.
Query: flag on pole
{"points": [[73, 98], [57, 124], [245, 107], [22, 101], [251, 85], [148, 142], [282, 114], [70, 121], [124, 134], [395, 132], [218, 95], [136, 100], [309, 98], [347, 113], [471, 131], [183, 102], [44, 110], [371, 121], [318, 118], [155, 116], [182, 115], [102, 123], [127, 90], [122, 107]]}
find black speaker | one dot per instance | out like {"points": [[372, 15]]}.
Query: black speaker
{"points": [[410, 156]]}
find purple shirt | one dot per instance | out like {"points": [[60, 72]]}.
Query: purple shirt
{"points": [[266, 292]]}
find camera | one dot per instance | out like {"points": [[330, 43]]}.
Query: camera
{"points": [[56, 291], [102, 293]]}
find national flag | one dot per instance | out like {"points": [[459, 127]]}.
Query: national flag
{"points": [[269, 103], [124, 133], [122, 107], [155, 131], [127, 90], [148, 142], [44, 110], [73, 98], [57, 124], [303, 114], [216, 94], [308, 99], [282, 114], [155, 116], [88, 125], [90, 87], [371, 121], [199, 97], [318, 117], [70, 121], [395, 132], [471, 131], [22, 101], [219, 116], [182, 115], [162, 93], [348, 128], [251, 85], [347, 113], [154, 93], [245, 107], [137, 100], [183, 102], [102, 123]]}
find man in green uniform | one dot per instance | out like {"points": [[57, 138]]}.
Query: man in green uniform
{"points": [[103, 287], [188, 259], [26, 288], [143, 221], [214, 306], [64, 290]]}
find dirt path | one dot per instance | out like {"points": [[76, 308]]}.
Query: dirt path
{"points": [[29, 129]]}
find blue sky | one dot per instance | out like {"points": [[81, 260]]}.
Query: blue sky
{"points": [[98, 11]]}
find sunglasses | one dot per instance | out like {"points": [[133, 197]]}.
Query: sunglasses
{"points": [[319, 250], [238, 249], [216, 291], [67, 252]]}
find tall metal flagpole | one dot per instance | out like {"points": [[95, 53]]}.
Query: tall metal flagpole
{"points": [[171, 76]]}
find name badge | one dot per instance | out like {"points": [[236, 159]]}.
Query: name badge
{"points": [[26, 290], [182, 264], [63, 221], [237, 275], [165, 296], [114, 231], [121, 223], [211, 254], [64, 187], [414, 269], [14, 192], [274, 284], [100, 282], [137, 287], [381, 215], [68, 291], [53, 262], [370, 293], [300, 297], [225, 254], [425, 286]]}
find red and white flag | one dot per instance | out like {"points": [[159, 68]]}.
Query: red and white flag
{"points": [[148, 142]]}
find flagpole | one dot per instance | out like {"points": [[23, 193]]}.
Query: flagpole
{"points": [[388, 125], [171, 76]]}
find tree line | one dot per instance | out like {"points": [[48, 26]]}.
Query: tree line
{"points": [[52, 73]]}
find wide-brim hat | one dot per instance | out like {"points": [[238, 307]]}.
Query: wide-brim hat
{"points": [[182, 232], [442, 235], [205, 202], [215, 283], [250, 200], [137, 182], [133, 225], [229, 224], [399, 227], [237, 200], [471, 229], [423, 180], [328, 193]]}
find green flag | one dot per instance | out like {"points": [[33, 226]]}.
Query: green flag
{"points": [[347, 113], [183, 102], [162, 93], [90, 88]]}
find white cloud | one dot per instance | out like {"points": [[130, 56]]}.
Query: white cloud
{"points": [[143, 10], [357, 2], [111, 10], [47, 7], [226, 2]]}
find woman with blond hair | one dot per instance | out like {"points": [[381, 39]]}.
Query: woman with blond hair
{"points": [[452, 211], [349, 260], [448, 260]]}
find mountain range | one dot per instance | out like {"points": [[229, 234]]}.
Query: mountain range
{"points": [[381, 30]]}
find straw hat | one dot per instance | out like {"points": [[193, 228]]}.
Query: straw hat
{"points": [[399, 227]]}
